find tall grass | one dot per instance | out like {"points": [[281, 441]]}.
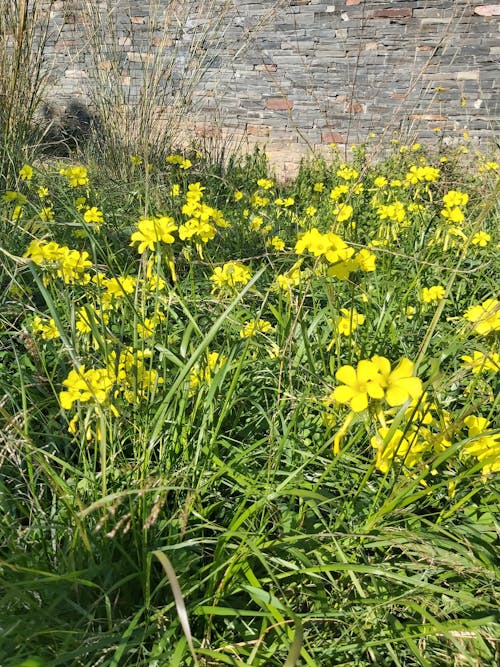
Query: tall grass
{"points": [[24, 74]]}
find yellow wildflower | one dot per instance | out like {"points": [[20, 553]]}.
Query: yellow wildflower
{"points": [[358, 385], [432, 294], [153, 230], [480, 362], [485, 317], [26, 173]]}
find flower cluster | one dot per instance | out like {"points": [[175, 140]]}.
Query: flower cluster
{"points": [[424, 174], [183, 163], [70, 265], [230, 276], [202, 219], [46, 328], [338, 255], [84, 386], [76, 176]]}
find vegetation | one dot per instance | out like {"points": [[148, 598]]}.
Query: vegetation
{"points": [[243, 422], [251, 424]]}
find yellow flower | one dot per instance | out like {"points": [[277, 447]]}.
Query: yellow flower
{"points": [[175, 190], [397, 446], [380, 182], [238, 195], [17, 213], [258, 202], [455, 198], [485, 317], [84, 386], [349, 322], [26, 173], [421, 174], [47, 214], [194, 227], [480, 362], [277, 243], [485, 448], [481, 239], [70, 265], [318, 187], [410, 312], [256, 223], [343, 212], [116, 288], [399, 384], [202, 373], [253, 327], [432, 294], [366, 260], [347, 173], [76, 175], [338, 191], [394, 212], [358, 385], [454, 214], [231, 275], [285, 281], [179, 160], [47, 330], [310, 211], [94, 215], [153, 230], [265, 183]]}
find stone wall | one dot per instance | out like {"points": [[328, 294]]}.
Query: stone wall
{"points": [[296, 74]]}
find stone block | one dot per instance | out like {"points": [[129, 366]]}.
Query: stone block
{"points": [[394, 13], [258, 130], [487, 10], [279, 104], [332, 137]]}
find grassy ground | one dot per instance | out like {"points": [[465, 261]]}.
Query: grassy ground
{"points": [[251, 424]]}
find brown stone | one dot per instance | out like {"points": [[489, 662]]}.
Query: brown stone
{"points": [[209, 131], [398, 96], [401, 13], [487, 10], [279, 104], [352, 2], [355, 107], [331, 137], [137, 19], [258, 130]]}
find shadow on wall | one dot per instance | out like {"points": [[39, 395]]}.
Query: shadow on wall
{"points": [[66, 128]]}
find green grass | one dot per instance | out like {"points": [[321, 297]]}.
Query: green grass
{"points": [[203, 508]]}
